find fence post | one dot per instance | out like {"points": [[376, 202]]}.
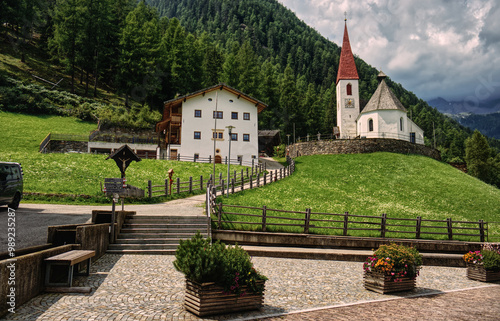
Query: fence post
{"points": [[481, 230], [252, 166], [241, 161], [178, 157], [242, 183], [166, 186], [223, 187], [220, 177], [419, 226], [232, 185], [251, 182], [210, 159], [382, 225], [265, 177], [308, 217], [270, 177], [201, 182], [247, 172], [150, 192], [264, 212], [178, 185], [258, 179], [265, 166], [450, 229], [190, 184], [219, 215], [346, 221], [242, 173], [234, 175], [211, 179], [225, 161]]}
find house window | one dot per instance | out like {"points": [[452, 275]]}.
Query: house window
{"points": [[218, 134], [234, 115], [349, 89], [370, 125], [246, 116], [412, 138], [197, 135], [401, 122], [246, 137], [218, 114], [234, 136], [197, 113]]}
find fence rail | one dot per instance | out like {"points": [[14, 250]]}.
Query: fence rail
{"points": [[306, 221], [209, 160], [253, 177]]}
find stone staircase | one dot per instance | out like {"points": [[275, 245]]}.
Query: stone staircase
{"points": [[155, 234]]}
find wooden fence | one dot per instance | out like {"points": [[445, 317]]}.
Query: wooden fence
{"points": [[306, 221], [245, 178]]}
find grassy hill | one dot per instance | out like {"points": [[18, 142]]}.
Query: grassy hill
{"points": [[76, 174], [402, 186]]}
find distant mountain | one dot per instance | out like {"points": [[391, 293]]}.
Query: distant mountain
{"points": [[468, 106], [487, 124]]}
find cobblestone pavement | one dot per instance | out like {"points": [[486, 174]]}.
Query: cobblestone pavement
{"points": [[147, 287]]}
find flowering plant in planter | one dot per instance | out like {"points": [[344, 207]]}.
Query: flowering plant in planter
{"points": [[394, 261], [202, 261], [488, 257]]}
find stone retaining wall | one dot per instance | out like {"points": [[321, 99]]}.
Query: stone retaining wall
{"points": [[359, 146], [63, 146]]}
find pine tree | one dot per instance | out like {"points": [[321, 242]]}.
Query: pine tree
{"points": [[477, 153]]}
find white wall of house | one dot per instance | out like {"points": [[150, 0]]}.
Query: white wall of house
{"points": [[388, 124], [227, 103]]}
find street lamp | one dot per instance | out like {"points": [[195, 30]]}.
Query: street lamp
{"points": [[288, 136], [230, 128]]}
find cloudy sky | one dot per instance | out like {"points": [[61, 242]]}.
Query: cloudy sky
{"points": [[435, 48]]}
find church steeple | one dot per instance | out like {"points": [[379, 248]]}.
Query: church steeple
{"points": [[347, 67]]}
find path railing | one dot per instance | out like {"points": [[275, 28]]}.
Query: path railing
{"points": [[308, 222]]}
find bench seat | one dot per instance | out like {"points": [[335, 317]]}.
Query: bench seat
{"points": [[68, 259]]}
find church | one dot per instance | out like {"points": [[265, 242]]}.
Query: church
{"points": [[384, 116]]}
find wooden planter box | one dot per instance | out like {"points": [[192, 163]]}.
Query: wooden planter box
{"points": [[478, 273], [381, 283], [208, 299]]}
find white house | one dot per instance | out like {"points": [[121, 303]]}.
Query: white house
{"points": [[197, 125], [383, 117]]}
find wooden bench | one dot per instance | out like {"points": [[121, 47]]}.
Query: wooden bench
{"points": [[69, 260]]}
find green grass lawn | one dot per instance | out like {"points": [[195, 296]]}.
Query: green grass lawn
{"points": [[77, 174], [402, 186]]}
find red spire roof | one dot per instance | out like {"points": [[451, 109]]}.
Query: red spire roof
{"points": [[347, 67]]}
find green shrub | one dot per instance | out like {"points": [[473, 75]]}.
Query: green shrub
{"points": [[491, 260], [202, 261], [280, 150]]}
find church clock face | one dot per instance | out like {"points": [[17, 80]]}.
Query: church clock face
{"points": [[349, 103]]}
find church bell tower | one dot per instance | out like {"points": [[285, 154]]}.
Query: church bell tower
{"points": [[348, 107]]}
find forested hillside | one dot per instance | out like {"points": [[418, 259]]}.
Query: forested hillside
{"points": [[153, 52]]}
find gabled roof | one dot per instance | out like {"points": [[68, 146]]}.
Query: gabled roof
{"points": [[383, 98], [259, 104], [347, 67]]}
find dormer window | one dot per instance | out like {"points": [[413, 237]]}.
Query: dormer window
{"points": [[349, 89]]}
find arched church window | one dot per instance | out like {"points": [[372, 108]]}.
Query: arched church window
{"points": [[401, 122], [349, 89], [370, 125]]}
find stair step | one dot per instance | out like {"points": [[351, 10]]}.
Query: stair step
{"points": [[163, 230], [149, 252], [162, 225], [143, 246], [157, 235], [149, 241]]}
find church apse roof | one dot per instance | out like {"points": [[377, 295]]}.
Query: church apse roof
{"points": [[383, 98]]}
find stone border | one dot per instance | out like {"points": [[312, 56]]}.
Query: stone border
{"points": [[361, 146]]}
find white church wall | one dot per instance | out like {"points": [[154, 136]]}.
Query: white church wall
{"points": [[346, 116]]}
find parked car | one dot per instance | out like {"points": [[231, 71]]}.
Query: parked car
{"points": [[11, 184]]}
